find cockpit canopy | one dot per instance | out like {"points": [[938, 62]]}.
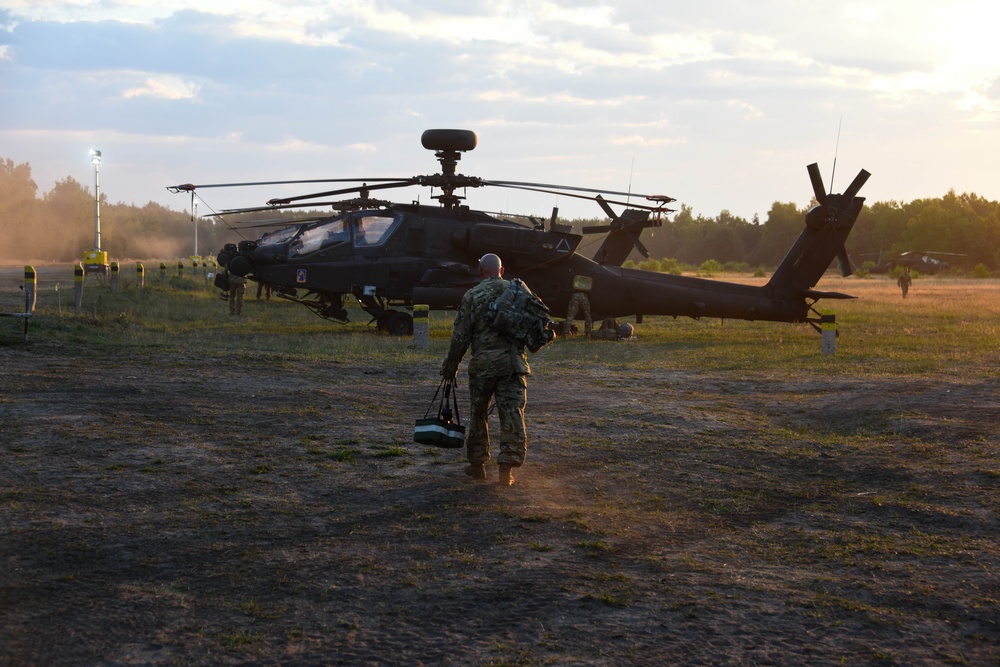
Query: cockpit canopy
{"points": [[363, 230]]}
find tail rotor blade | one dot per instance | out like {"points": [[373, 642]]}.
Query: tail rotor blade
{"points": [[819, 190], [855, 186], [845, 262], [606, 207], [641, 248]]}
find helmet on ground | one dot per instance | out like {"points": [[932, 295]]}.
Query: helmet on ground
{"points": [[625, 330]]}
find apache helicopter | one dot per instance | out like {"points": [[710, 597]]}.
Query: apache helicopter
{"points": [[922, 262], [393, 255]]}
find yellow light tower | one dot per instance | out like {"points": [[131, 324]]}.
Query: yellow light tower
{"points": [[96, 260]]}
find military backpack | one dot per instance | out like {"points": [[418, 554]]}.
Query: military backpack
{"points": [[521, 316]]}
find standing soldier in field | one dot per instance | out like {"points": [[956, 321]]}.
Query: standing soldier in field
{"points": [[498, 369], [904, 281], [237, 288], [579, 302]]}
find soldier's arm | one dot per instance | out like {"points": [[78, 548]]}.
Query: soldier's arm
{"points": [[461, 338]]}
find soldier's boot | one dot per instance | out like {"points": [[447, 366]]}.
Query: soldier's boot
{"points": [[476, 471], [506, 476]]}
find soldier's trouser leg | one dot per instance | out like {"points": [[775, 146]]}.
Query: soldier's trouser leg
{"points": [[232, 301], [588, 321], [511, 397], [477, 437], [570, 316]]}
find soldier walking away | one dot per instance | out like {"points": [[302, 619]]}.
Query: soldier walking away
{"points": [[579, 302], [498, 369], [904, 281], [237, 288]]}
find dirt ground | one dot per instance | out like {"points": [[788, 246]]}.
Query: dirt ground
{"points": [[165, 509]]}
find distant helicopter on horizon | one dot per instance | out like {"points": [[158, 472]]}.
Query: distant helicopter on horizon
{"points": [[919, 261]]}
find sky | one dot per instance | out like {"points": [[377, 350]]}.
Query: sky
{"points": [[721, 104]]}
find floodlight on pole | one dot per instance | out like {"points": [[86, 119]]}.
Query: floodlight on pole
{"points": [[95, 157]]}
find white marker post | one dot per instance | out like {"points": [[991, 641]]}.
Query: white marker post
{"points": [[30, 289], [828, 325], [421, 327], [78, 286]]}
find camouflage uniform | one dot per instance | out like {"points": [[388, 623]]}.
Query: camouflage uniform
{"points": [[608, 330], [904, 281], [577, 303], [237, 287], [497, 369]]}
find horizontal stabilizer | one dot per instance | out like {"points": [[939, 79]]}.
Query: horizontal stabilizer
{"points": [[818, 294]]}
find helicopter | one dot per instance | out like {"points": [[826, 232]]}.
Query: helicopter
{"points": [[923, 262], [392, 255]]}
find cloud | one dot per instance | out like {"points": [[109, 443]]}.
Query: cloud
{"points": [[719, 104], [165, 87]]}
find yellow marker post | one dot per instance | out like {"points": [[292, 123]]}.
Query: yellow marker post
{"points": [[114, 277], [78, 286], [180, 269], [140, 274], [30, 287], [828, 327], [163, 274], [421, 327]]}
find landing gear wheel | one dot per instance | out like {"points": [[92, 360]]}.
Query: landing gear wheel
{"points": [[399, 324]]}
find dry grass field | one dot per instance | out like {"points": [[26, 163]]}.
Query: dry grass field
{"points": [[178, 487]]}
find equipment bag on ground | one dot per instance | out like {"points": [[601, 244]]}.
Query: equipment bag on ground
{"points": [[445, 429]]}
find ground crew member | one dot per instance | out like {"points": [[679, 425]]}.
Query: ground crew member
{"points": [[579, 302], [498, 369], [237, 288], [264, 288], [904, 281], [608, 330]]}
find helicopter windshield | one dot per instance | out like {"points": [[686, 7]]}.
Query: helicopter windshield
{"points": [[278, 236], [373, 230], [324, 235]]}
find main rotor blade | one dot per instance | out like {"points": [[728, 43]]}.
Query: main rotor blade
{"points": [[375, 203], [281, 223], [570, 194], [187, 187], [529, 186], [330, 193]]}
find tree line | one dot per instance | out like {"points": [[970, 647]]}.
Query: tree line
{"points": [[965, 225], [58, 226]]}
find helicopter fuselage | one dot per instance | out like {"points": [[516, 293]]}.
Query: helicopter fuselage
{"points": [[407, 254], [388, 254]]}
